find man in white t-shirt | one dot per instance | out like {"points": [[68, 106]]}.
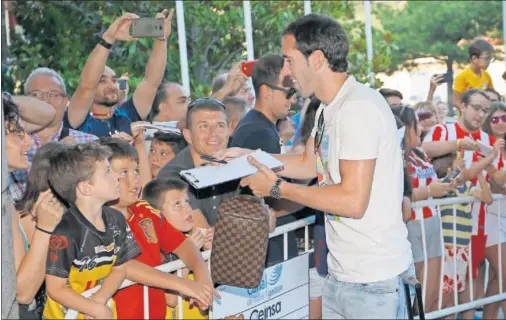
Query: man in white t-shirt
{"points": [[360, 170]]}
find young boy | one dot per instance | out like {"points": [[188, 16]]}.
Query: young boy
{"points": [[153, 234], [475, 75], [91, 244], [164, 147], [171, 198], [457, 243]]}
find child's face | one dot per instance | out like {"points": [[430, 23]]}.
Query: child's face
{"points": [[126, 170], [483, 61], [105, 185], [177, 210], [159, 155]]}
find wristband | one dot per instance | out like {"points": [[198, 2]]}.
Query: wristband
{"points": [[104, 43], [459, 143], [42, 230], [492, 171]]}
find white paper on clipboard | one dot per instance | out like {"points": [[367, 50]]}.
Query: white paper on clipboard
{"points": [[485, 150], [157, 127], [207, 176]]}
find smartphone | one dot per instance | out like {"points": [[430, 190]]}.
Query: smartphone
{"points": [[453, 175], [147, 28], [122, 84], [247, 67], [446, 77]]}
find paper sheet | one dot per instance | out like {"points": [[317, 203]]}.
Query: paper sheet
{"points": [[207, 176]]}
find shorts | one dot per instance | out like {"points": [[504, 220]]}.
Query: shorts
{"points": [[496, 233], [316, 283], [455, 262], [432, 238]]}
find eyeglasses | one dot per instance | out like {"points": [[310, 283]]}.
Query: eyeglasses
{"points": [[488, 59], [289, 92], [319, 133], [495, 120], [49, 95], [479, 108], [208, 101]]}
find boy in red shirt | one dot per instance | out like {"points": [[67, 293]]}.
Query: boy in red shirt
{"points": [[153, 235]]}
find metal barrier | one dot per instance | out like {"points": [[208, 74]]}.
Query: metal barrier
{"points": [[304, 223]]}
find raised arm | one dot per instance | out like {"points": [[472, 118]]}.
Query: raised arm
{"points": [[36, 114], [82, 100], [145, 92], [235, 79]]}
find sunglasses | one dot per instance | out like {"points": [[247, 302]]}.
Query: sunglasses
{"points": [[495, 120], [424, 115], [289, 92], [319, 133], [208, 101]]}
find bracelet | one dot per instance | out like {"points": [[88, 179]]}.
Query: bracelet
{"points": [[459, 143], [104, 43], [42, 230], [492, 171]]}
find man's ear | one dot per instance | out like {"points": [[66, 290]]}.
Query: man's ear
{"points": [[187, 136], [317, 60]]}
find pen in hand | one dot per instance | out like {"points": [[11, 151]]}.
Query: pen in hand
{"points": [[213, 159]]}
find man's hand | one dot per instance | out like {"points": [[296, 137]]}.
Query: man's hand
{"points": [[167, 27], [261, 182], [435, 81], [124, 136], [469, 144], [119, 30], [137, 132], [231, 153]]}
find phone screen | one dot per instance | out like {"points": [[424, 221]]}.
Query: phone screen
{"points": [[122, 84]]}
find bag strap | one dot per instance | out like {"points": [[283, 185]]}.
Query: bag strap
{"points": [[65, 132]]}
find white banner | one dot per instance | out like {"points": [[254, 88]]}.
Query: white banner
{"points": [[283, 293]]}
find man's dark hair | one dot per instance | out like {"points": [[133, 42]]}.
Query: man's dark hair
{"points": [[266, 70], [236, 108], [479, 46], [153, 193], [466, 97], [387, 93], [160, 96], [174, 140], [494, 92], [317, 32], [120, 149], [73, 165], [210, 104]]}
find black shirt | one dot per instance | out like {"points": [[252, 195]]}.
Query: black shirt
{"points": [[255, 131]]}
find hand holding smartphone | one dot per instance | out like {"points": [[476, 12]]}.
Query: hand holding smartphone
{"points": [[148, 28], [247, 67]]}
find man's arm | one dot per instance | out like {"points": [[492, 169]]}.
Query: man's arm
{"points": [[235, 79], [439, 148], [58, 290], [36, 114], [145, 92], [82, 100], [457, 99]]}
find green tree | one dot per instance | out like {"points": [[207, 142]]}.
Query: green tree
{"points": [[61, 34], [439, 29]]}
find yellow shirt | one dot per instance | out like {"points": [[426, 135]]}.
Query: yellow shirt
{"points": [[467, 79], [172, 313]]}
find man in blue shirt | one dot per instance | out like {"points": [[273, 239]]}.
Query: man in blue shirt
{"points": [[98, 113]]}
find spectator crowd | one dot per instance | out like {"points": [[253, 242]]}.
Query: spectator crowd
{"points": [[97, 195]]}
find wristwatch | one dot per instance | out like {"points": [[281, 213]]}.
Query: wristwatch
{"points": [[275, 192], [104, 43]]}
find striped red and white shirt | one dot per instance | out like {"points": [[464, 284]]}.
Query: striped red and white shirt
{"points": [[422, 174], [453, 132]]}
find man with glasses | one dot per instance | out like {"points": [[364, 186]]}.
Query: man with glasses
{"points": [[257, 130], [355, 153], [475, 76]]}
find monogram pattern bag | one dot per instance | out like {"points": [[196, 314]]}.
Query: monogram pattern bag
{"points": [[240, 242]]}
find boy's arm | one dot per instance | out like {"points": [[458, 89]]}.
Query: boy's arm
{"points": [[194, 261], [483, 192], [477, 167], [59, 292], [144, 167], [110, 285]]}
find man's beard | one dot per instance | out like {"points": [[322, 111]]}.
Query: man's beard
{"points": [[106, 102], [470, 126]]}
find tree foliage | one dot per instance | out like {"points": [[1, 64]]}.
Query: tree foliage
{"points": [[61, 34], [439, 29]]}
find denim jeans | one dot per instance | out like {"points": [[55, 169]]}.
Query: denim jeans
{"points": [[376, 300]]}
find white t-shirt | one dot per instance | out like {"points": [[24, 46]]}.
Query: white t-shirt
{"points": [[359, 125]]}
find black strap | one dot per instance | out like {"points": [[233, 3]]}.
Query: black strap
{"points": [[64, 133]]}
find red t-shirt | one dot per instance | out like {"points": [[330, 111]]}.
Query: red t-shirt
{"points": [[153, 234]]}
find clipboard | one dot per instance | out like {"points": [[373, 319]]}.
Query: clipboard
{"points": [[238, 168], [156, 127]]}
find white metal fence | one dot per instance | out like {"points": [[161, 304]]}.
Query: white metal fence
{"points": [[177, 266]]}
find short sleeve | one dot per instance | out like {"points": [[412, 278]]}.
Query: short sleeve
{"points": [[129, 109], [61, 252], [490, 84], [170, 238], [438, 133], [460, 83], [359, 136], [128, 247]]}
